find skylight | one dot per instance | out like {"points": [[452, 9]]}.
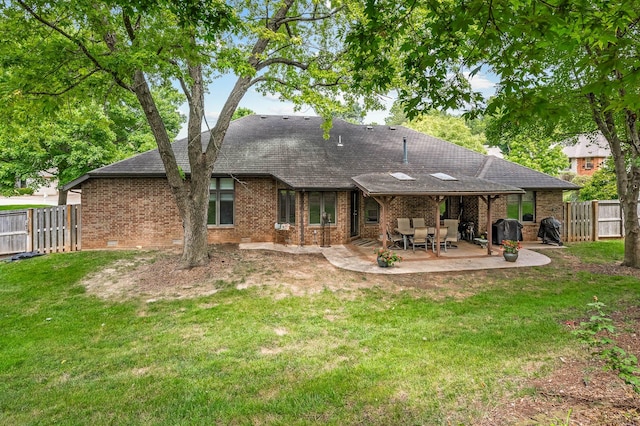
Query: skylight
{"points": [[401, 176], [443, 176]]}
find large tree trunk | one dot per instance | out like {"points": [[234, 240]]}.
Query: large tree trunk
{"points": [[192, 195], [62, 197], [625, 154], [194, 221], [631, 233]]}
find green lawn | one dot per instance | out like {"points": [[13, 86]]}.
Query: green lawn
{"points": [[243, 357], [23, 206]]}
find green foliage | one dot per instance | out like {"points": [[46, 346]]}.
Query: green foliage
{"points": [[241, 112], [397, 116], [82, 135], [595, 332], [449, 128], [601, 185], [23, 206], [539, 155], [532, 145]]}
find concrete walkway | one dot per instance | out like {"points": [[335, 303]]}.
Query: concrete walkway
{"points": [[467, 257]]}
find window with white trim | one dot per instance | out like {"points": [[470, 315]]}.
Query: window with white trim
{"points": [[221, 201], [320, 202], [522, 207]]}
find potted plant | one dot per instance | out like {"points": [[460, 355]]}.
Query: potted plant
{"points": [[510, 250], [386, 257]]}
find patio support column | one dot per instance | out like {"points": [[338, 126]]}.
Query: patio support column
{"points": [[384, 202], [488, 201], [301, 233], [438, 200]]}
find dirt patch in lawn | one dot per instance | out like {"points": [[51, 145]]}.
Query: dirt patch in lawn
{"points": [[578, 389]]}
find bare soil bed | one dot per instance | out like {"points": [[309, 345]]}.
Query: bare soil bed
{"points": [[578, 389]]}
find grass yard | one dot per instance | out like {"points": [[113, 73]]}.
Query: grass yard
{"points": [[366, 356], [23, 206]]}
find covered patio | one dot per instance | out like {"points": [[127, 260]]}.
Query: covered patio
{"points": [[435, 188]]}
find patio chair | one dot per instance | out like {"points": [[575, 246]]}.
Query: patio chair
{"points": [[403, 223], [396, 240], [452, 234], [419, 238], [443, 240], [418, 222]]}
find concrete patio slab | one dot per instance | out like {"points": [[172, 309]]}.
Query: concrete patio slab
{"points": [[466, 257]]}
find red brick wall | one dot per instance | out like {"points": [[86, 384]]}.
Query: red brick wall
{"points": [[548, 203], [583, 171], [125, 213]]}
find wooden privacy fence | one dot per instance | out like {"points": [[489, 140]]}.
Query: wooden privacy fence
{"points": [[43, 230], [592, 220]]}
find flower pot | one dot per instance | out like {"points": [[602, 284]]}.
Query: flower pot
{"points": [[510, 257], [382, 262]]}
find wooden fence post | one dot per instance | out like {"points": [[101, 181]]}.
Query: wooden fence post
{"points": [[67, 229], [29, 230], [569, 223], [595, 222]]}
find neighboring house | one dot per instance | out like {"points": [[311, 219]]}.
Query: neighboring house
{"points": [[587, 154], [274, 170]]}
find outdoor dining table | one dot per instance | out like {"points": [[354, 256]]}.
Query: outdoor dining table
{"points": [[410, 232], [406, 233]]}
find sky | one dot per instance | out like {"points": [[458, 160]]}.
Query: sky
{"points": [[272, 105]]}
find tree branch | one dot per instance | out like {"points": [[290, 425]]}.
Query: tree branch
{"points": [[76, 84], [283, 61], [81, 45]]}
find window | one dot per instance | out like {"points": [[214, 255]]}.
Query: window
{"points": [[320, 202], [522, 207], [371, 210], [221, 200], [588, 163], [286, 206]]}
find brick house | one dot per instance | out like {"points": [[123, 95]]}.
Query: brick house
{"points": [[276, 178], [587, 154]]}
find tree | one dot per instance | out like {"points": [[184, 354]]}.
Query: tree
{"points": [[532, 145], [441, 125], [449, 128], [397, 116], [70, 141], [241, 112], [601, 185], [293, 48], [573, 65], [353, 114]]}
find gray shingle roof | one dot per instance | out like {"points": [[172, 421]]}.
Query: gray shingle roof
{"points": [[386, 184], [294, 151], [587, 145]]}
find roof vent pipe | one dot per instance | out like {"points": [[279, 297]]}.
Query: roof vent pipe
{"points": [[405, 157]]}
